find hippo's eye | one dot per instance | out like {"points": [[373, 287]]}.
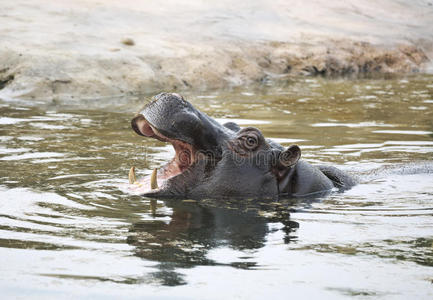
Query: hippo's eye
{"points": [[250, 142]]}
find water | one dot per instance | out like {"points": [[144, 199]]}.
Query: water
{"points": [[68, 229]]}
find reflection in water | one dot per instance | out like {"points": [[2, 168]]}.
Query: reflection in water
{"points": [[65, 221], [191, 232], [194, 229]]}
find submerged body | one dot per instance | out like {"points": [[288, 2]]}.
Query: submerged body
{"points": [[214, 160]]}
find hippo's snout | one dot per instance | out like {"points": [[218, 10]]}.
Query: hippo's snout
{"points": [[193, 134]]}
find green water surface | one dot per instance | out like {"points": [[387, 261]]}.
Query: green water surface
{"points": [[68, 227]]}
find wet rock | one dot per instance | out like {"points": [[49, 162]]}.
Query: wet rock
{"points": [[128, 42], [72, 50], [5, 79]]}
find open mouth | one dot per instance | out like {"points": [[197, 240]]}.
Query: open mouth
{"points": [[184, 158]]}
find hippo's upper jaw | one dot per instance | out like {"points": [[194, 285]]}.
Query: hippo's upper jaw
{"points": [[194, 136], [214, 160]]}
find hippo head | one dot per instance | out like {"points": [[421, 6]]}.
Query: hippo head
{"points": [[211, 160]]}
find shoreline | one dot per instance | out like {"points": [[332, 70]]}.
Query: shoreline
{"points": [[71, 50]]}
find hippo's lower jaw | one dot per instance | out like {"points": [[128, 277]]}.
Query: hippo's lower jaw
{"points": [[158, 182]]}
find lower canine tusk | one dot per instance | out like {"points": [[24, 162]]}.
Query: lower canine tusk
{"points": [[131, 175], [154, 179]]}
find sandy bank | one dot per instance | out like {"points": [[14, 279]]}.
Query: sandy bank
{"points": [[107, 48]]}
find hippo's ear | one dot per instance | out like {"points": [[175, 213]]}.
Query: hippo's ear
{"points": [[290, 156]]}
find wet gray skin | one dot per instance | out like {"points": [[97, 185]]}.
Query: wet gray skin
{"points": [[214, 160]]}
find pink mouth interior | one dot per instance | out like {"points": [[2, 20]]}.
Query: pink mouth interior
{"points": [[182, 160]]}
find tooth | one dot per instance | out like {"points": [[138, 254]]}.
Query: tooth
{"points": [[154, 179], [131, 175]]}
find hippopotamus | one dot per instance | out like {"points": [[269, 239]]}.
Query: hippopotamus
{"points": [[214, 160]]}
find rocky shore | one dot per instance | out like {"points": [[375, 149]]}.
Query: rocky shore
{"points": [[85, 48]]}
